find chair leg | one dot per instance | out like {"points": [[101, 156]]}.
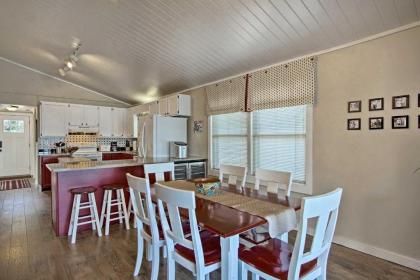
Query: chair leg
{"points": [[255, 276], [76, 219], [155, 262], [140, 247], [170, 268], [120, 212], [95, 212], [108, 213], [92, 214], [244, 272], [104, 202], [72, 217], [149, 252], [208, 276], [126, 216]]}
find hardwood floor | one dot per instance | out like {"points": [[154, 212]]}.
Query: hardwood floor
{"points": [[29, 249]]}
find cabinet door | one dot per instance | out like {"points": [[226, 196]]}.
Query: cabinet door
{"points": [[118, 122], [53, 120], [184, 105], [91, 116], [163, 106], [172, 104], [105, 121], [75, 115], [154, 108], [129, 124]]}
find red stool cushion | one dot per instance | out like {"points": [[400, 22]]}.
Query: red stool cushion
{"points": [[273, 258]]}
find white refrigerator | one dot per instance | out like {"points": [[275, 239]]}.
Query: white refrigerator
{"points": [[155, 133]]}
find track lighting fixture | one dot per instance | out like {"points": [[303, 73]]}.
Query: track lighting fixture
{"points": [[71, 61]]}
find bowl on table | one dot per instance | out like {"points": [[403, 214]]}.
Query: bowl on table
{"points": [[207, 186]]}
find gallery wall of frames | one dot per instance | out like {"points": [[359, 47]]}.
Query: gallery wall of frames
{"points": [[400, 119]]}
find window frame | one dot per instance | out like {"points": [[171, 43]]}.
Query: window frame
{"points": [[298, 187]]}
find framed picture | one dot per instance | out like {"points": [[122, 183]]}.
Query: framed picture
{"points": [[418, 100], [419, 121], [401, 102], [353, 124], [376, 104], [399, 122], [354, 106], [376, 123]]}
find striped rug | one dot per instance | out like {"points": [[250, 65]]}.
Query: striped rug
{"points": [[14, 184]]}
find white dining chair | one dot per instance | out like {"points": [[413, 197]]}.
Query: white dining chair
{"points": [[234, 173], [200, 252], [147, 227], [270, 260], [276, 181], [159, 170]]}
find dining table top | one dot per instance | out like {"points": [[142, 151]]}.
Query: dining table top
{"points": [[224, 220]]}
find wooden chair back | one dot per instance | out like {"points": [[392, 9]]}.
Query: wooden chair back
{"points": [[159, 170], [234, 174], [173, 199], [324, 209], [275, 180], [141, 200]]}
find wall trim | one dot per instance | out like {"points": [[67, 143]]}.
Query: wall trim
{"points": [[378, 252], [61, 80], [325, 51]]}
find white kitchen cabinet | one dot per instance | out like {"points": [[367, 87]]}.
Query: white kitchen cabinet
{"points": [[154, 107], [53, 121], [75, 115], [163, 106], [105, 121], [82, 115], [91, 116], [129, 124], [178, 105], [118, 122]]}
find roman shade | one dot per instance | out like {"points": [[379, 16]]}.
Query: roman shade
{"points": [[284, 85]]}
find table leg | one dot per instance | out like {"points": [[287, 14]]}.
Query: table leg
{"points": [[229, 247]]}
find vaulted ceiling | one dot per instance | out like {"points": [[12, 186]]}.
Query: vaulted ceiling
{"points": [[134, 50]]}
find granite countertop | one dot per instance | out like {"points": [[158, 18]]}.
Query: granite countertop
{"points": [[86, 165]]}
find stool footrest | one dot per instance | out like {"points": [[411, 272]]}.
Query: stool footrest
{"points": [[87, 222], [85, 207], [114, 219], [86, 217]]}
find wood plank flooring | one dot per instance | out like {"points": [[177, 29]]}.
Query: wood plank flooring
{"points": [[29, 249]]}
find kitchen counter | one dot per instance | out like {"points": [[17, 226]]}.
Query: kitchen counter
{"points": [[72, 166]]}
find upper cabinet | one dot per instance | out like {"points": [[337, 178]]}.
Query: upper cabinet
{"points": [[53, 121], [175, 105], [105, 121], [118, 122], [82, 115]]}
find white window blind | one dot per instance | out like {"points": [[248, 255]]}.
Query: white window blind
{"points": [[279, 140], [276, 137], [229, 139]]}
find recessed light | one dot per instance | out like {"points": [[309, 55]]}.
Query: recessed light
{"points": [[62, 72]]}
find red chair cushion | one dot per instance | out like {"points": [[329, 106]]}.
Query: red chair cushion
{"points": [[211, 248], [273, 258], [185, 226]]}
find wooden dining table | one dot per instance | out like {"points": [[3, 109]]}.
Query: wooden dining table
{"points": [[229, 222]]}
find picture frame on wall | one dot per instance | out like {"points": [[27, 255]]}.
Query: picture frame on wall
{"points": [[353, 124], [418, 121], [401, 102], [354, 106], [376, 123], [400, 122], [418, 100], [376, 104]]}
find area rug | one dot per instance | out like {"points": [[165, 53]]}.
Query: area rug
{"points": [[7, 185]]}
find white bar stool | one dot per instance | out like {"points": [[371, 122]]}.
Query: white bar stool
{"points": [[93, 218], [108, 202]]}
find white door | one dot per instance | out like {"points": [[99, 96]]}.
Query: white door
{"points": [[105, 121], [15, 150], [53, 119], [118, 122], [173, 105], [76, 115]]}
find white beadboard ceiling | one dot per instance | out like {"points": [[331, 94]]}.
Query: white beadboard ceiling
{"points": [[135, 50]]}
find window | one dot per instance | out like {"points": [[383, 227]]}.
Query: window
{"points": [[274, 139], [13, 126]]}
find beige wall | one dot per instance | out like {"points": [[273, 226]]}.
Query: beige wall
{"points": [[380, 204], [380, 208], [198, 142]]}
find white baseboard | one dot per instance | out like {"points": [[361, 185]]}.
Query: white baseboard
{"points": [[378, 252]]}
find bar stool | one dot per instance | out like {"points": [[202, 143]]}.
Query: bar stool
{"points": [[130, 209], [108, 202], [77, 206]]}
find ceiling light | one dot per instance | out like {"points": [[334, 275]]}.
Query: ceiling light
{"points": [[62, 72], [69, 64], [12, 108]]}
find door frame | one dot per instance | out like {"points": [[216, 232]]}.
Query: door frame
{"points": [[32, 139]]}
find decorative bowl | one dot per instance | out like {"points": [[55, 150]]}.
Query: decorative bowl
{"points": [[207, 186]]}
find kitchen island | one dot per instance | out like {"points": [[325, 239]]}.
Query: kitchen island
{"points": [[68, 175]]}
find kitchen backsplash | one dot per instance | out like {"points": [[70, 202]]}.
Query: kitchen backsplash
{"points": [[48, 142]]}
